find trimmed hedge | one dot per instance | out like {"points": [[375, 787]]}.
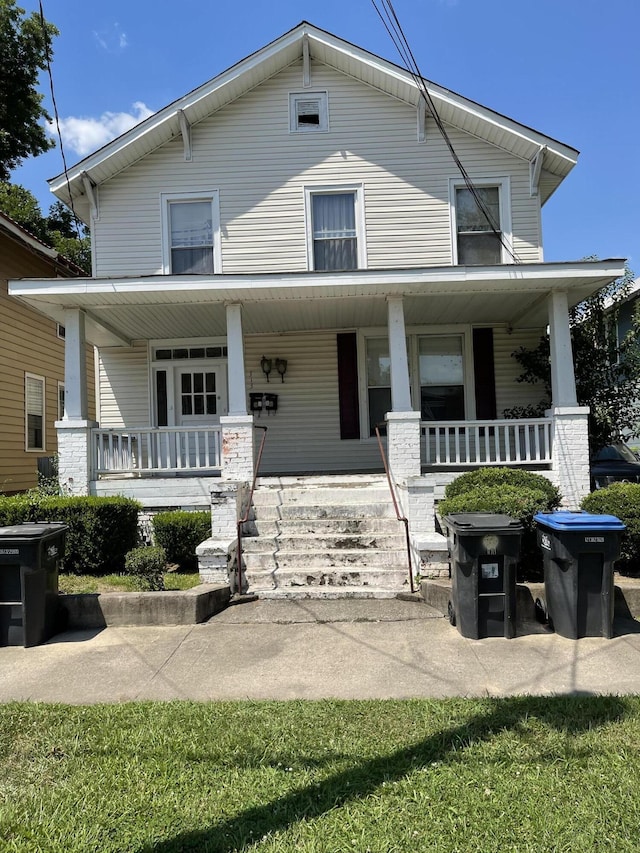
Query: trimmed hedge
{"points": [[179, 533], [519, 494], [101, 530], [147, 565], [623, 501], [490, 477]]}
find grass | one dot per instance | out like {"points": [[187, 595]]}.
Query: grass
{"points": [[121, 583], [521, 774]]}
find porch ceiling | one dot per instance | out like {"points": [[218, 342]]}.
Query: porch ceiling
{"points": [[156, 307]]}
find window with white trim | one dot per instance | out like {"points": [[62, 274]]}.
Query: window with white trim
{"points": [[191, 233], [378, 381], [480, 232], [34, 396], [441, 370], [335, 230], [308, 112]]}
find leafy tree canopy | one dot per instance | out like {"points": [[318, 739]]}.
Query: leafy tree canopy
{"points": [[24, 45], [57, 230], [607, 369]]}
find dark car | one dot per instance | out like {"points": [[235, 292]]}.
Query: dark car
{"points": [[614, 463]]}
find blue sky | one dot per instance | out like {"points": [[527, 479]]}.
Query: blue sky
{"points": [[568, 68]]}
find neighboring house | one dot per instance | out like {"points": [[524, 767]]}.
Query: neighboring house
{"points": [[291, 245], [31, 361]]}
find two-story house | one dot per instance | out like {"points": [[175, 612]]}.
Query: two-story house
{"points": [[292, 245], [31, 362]]}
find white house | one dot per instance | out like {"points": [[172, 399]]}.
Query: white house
{"points": [[292, 245]]}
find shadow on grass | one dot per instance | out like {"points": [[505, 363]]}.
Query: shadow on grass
{"points": [[570, 714]]}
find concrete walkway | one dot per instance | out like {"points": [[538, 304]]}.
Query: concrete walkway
{"points": [[353, 649]]}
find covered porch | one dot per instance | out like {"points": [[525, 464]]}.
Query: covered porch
{"points": [[297, 318]]}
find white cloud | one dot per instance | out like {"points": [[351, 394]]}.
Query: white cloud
{"points": [[112, 40], [84, 134]]}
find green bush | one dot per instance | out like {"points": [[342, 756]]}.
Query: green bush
{"points": [[179, 533], [490, 477], [101, 530], [147, 565], [623, 501], [506, 491]]}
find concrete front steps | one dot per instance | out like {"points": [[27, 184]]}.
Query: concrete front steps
{"points": [[325, 537]]}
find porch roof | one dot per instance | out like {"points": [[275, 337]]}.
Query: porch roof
{"points": [[120, 310]]}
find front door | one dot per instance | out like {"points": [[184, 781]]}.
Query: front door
{"points": [[201, 395]]}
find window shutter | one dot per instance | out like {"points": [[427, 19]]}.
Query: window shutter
{"points": [[484, 374], [348, 385]]}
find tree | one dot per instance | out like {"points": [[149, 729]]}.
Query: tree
{"points": [[25, 46], [59, 230], [607, 370]]}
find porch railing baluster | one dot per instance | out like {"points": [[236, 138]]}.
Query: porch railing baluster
{"points": [[170, 449]]}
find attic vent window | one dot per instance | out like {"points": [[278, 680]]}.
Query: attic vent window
{"points": [[308, 112]]}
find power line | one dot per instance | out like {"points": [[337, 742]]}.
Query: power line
{"points": [[391, 22], [47, 52]]}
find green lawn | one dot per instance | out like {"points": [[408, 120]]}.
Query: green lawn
{"points": [[122, 583], [518, 774]]}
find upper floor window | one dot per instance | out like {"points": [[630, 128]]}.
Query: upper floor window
{"points": [[308, 112], [336, 232], [481, 230], [192, 234], [34, 411]]}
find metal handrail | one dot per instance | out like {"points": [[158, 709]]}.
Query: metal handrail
{"points": [[247, 511], [399, 517]]}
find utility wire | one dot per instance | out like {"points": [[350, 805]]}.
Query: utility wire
{"points": [[391, 22], [47, 49]]}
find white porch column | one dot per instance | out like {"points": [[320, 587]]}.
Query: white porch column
{"points": [[235, 351], [74, 431], [400, 388], [563, 382], [570, 466], [403, 424]]}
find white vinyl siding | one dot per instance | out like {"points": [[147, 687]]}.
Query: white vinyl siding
{"points": [[124, 387], [371, 142], [510, 392]]}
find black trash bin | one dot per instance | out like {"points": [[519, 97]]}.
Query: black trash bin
{"points": [[30, 556], [484, 549], [579, 550]]}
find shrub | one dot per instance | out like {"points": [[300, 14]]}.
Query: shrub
{"points": [[147, 566], [179, 533], [521, 501], [623, 501], [490, 477], [101, 530]]}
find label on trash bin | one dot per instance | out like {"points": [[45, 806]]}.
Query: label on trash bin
{"points": [[545, 541], [594, 538], [52, 551], [9, 551], [489, 570]]}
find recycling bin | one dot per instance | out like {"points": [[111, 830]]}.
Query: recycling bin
{"points": [[484, 549], [30, 557], [579, 550]]}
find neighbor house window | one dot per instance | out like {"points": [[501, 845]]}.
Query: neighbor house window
{"points": [[308, 112], [192, 234], [441, 370], [34, 412], [60, 400], [336, 233], [481, 230]]}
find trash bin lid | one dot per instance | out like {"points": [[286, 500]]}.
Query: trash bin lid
{"points": [[29, 531], [483, 522], [577, 521]]}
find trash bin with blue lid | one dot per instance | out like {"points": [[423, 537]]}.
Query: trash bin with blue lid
{"points": [[579, 550], [30, 557], [484, 549]]}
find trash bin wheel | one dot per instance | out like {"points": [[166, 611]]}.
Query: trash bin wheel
{"points": [[451, 613]]}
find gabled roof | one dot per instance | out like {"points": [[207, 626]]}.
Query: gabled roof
{"points": [[64, 266], [557, 158]]}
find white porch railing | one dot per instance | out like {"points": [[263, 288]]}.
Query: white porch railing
{"points": [[164, 449], [499, 442]]}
